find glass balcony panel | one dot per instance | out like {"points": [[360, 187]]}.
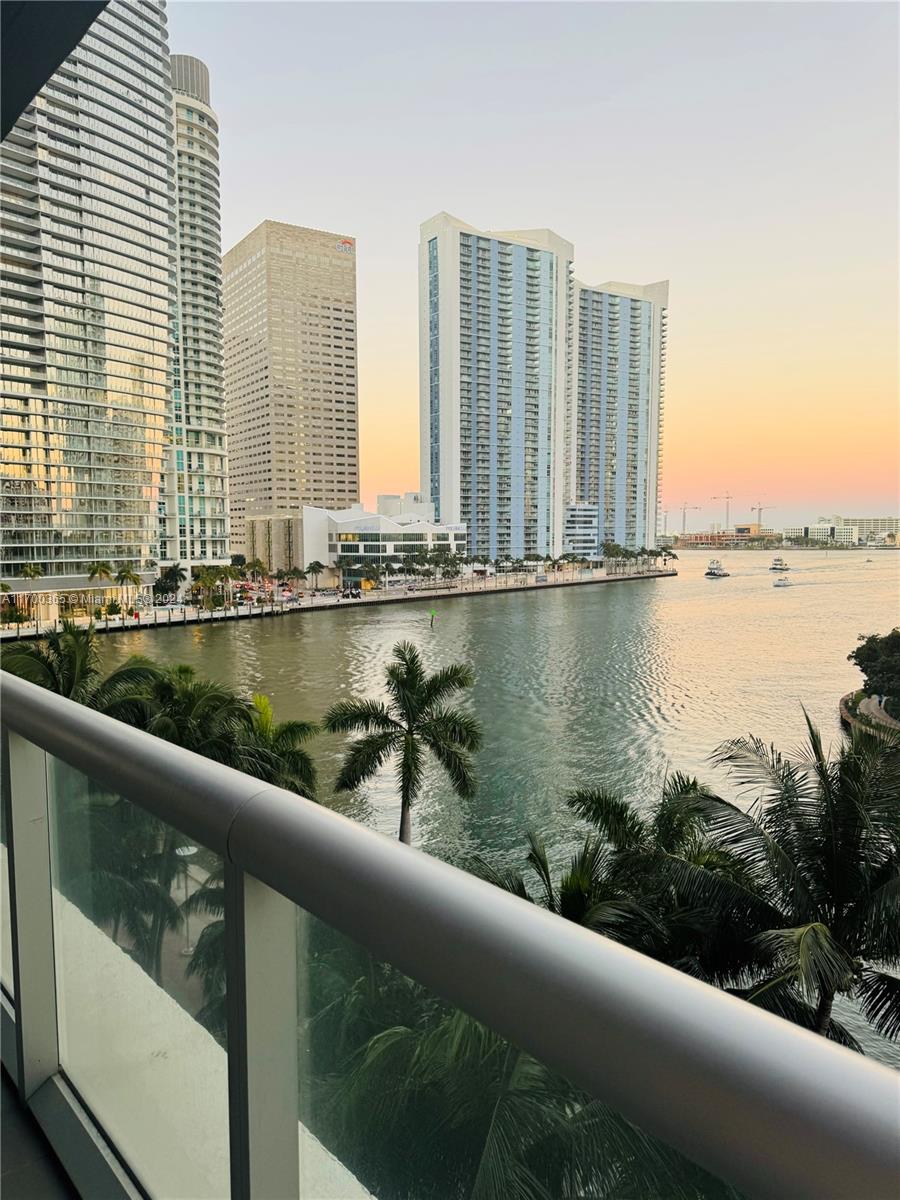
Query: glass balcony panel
{"points": [[138, 920], [415, 1100]]}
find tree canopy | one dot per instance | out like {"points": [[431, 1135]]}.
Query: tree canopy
{"points": [[878, 657]]}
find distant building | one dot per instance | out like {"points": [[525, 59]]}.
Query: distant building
{"points": [[867, 527], [735, 537], [194, 516], [283, 540], [620, 356], [582, 530], [495, 383], [840, 535], [290, 372]]}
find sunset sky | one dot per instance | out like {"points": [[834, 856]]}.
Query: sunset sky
{"points": [[746, 152]]}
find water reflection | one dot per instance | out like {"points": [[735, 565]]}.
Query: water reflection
{"points": [[578, 687]]}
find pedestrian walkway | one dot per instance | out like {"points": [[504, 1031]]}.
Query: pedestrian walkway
{"points": [[155, 618], [869, 707]]}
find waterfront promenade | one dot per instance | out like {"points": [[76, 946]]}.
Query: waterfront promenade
{"points": [[853, 707], [171, 615]]}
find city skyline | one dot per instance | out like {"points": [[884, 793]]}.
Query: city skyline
{"points": [[712, 163]]}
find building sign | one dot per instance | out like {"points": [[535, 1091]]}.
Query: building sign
{"points": [[345, 246]]}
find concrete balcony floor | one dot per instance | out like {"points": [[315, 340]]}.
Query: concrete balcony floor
{"points": [[29, 1169]]}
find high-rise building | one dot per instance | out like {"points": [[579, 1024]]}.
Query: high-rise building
{"points": [[87, 289], [194, 513], [620, 355], [290, 372], [495, 383]]}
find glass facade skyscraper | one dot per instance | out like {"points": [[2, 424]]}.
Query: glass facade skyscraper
{"points": [[541, 399], [496, 383], [87, 300], [620, 340], [194, 512]]}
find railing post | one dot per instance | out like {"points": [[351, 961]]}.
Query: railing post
{"points": [[31, 915], [261, 1005]]}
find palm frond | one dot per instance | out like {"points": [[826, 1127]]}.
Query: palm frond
{"points": [[879, 996], [354, 716], [617, 819], [509, 879], [809, 955], [444, 683], [449, 742], [539, 862], [364, 757]]}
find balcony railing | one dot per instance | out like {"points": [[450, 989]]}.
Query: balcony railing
{"points": [[307, 924]]}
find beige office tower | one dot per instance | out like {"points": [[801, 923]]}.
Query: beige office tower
{"points": [[290, 372]]}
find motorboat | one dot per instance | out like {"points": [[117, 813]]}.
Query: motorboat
{"points": [[778, 564], [715, 570], [781, 581]]}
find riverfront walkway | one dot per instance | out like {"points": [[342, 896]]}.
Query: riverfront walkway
{"points": [[162, 618], [867, 708]]}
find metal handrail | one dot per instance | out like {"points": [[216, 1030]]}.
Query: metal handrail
{"points": [[769, 1107]]}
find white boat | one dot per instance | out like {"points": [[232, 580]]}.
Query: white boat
{"points": [[715, 570], [778, 564], [781, 581]]}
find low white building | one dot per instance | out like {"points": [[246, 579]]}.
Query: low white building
{"points": [[868, 528], [351, 536], [581, 530], [840, 535]]}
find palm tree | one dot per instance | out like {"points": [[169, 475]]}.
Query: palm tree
{"points": [[170, 581], [208, 959], [645, 840], [315, 569], [821, 848], [256, 568], [410, 565], [116, 886], [372, 573], [292, 766], [228, 576], [593, 892], [207, 580], [67, 662], [415, 719], [127, 578], [99, 570], [787, 903], [30, 571], [389, 1063]]}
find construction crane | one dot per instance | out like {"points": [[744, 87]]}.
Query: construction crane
{"points": [[759, 508], [685, 508], [727, 497]]}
